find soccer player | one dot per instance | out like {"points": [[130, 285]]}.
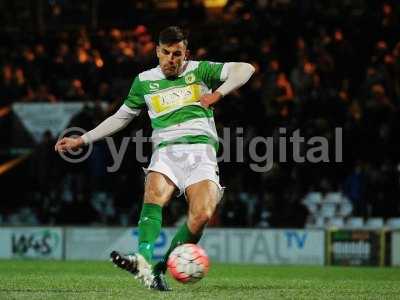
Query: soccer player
{"points": [[178, 95]]}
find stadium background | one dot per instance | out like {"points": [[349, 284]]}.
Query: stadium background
{"points": [[319, 65]]}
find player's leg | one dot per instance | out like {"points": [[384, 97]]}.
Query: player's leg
{"points": [[158, 191], [202, 198]]}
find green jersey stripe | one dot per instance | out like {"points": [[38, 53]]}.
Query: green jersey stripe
{"points": [[191, 139], [155, 86], [181, 115]]}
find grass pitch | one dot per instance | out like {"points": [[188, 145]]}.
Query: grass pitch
{"points": [[100, 280]]}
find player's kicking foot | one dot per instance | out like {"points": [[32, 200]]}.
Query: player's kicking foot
{"points": [[160, 283], [135, 264]]}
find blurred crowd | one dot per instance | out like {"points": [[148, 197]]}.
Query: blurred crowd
{"points": [[320, 65]]}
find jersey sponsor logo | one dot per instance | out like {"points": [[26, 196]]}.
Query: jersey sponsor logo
{"points": [[190, 78], [175, 98], [154, 86]]}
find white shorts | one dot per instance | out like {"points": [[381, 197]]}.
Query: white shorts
{"points": [[186, 164]]}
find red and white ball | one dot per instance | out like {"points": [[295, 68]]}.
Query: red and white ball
{"points": [[188, 263]]}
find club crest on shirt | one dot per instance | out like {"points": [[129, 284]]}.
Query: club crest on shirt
{"points": [[190, 78]]}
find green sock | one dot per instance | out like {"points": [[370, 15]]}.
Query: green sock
{"points": [[182, 236], [149, 229]]}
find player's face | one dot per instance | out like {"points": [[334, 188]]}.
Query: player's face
{"points": [[171, 57]]}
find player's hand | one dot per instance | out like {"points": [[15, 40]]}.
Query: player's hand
{"points": [[67, 143], [210, 99]]}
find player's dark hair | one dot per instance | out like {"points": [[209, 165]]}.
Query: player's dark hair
{"points": [[172, 35]]}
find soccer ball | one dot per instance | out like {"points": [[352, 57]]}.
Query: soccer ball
{"points": [[188, 263]]}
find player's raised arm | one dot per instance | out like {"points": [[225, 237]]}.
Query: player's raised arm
{"points": [[237, 74], [108, 127]]}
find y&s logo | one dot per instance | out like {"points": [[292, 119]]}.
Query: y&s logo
{"points": [[41, 243]]}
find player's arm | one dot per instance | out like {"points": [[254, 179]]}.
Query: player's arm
{"points": [[129, 110], [234, 75], [108, 127]]}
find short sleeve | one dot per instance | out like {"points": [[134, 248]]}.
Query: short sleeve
{"points": [[211, 73], [135, 99]]}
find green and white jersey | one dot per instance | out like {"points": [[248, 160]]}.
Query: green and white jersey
{"points": [[173, 104]]}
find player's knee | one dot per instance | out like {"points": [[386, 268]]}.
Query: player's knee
{"points": [[155, 196], [201, 218]]}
